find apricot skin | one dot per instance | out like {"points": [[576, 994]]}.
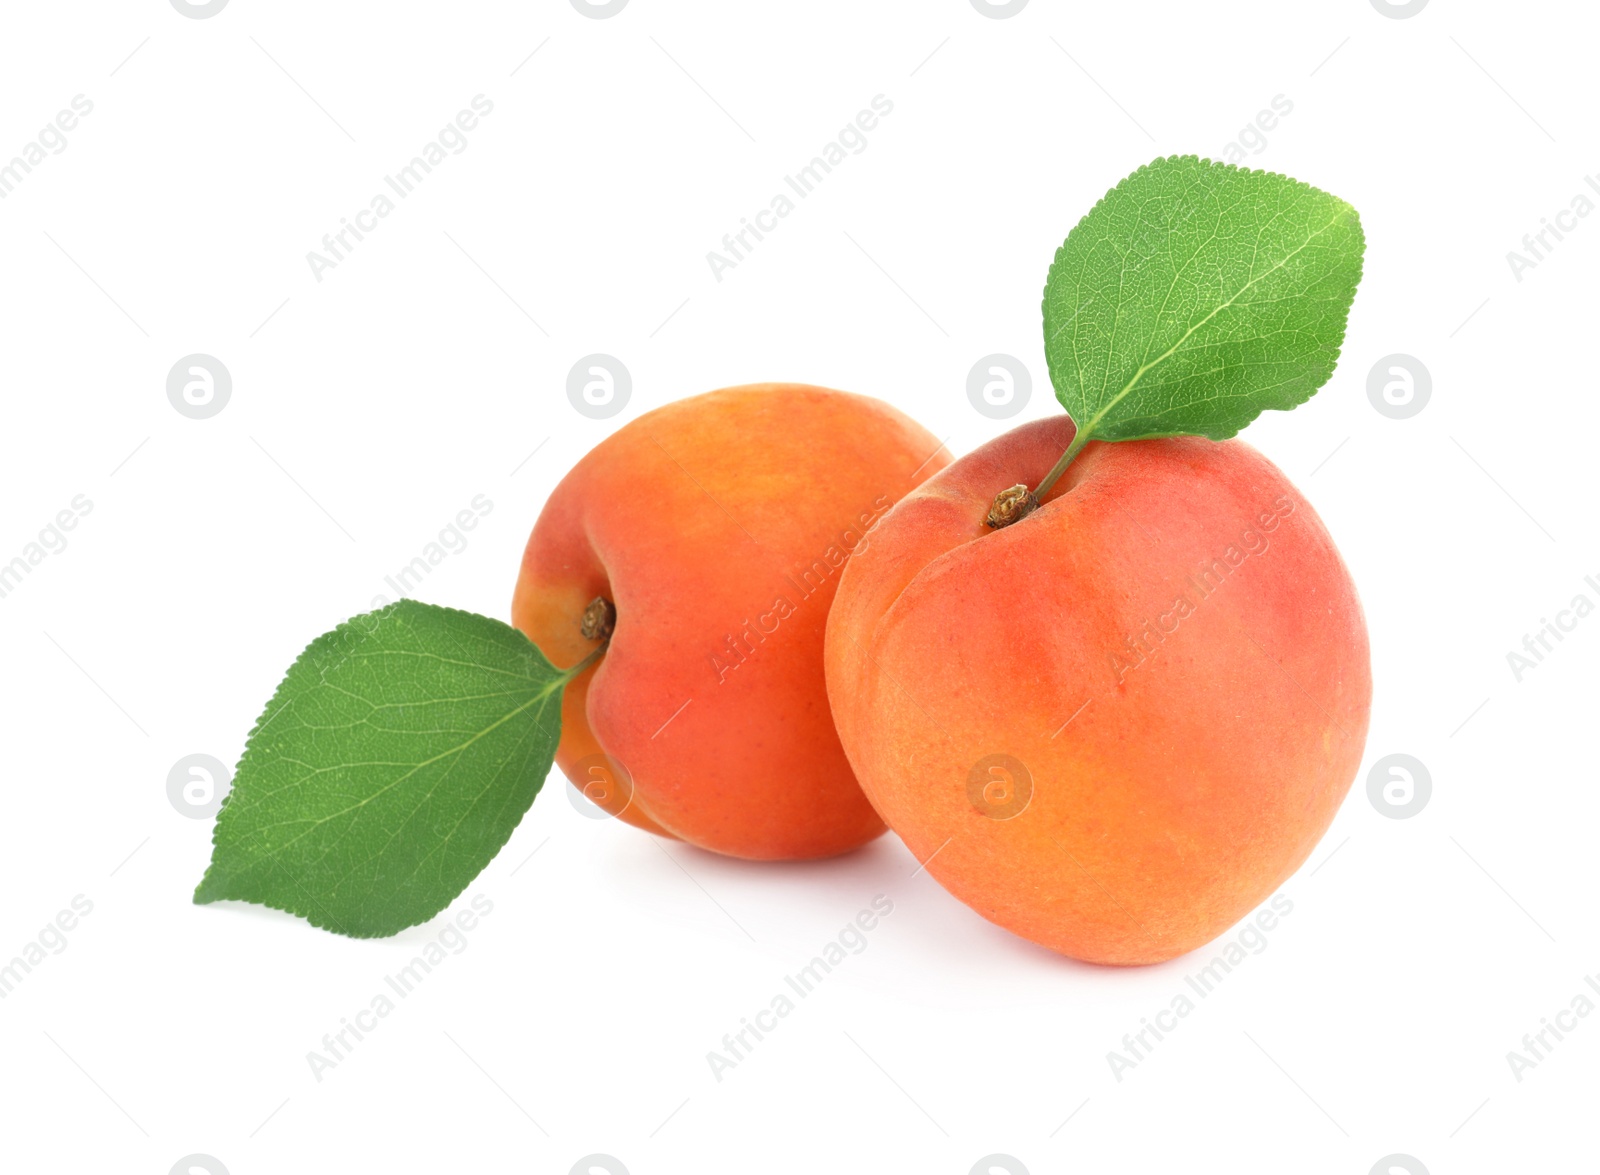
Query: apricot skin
{"points": [[718, 526], [1170, 795]]}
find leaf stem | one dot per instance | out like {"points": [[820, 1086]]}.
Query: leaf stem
{"points": [[1078, 441], [594, 655]]}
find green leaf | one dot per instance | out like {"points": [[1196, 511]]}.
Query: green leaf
{"points": [[1196, 295], [392, 764]]}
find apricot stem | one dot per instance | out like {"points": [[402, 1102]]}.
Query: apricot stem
{"points": [[594, 655], [1016, 503], [597, 623], [1078, 441]]}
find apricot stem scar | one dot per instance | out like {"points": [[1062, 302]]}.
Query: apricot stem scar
{"points": [[1012, 505], [599, 619]]}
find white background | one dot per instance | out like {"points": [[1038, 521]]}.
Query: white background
{"points": [[369, 407]]}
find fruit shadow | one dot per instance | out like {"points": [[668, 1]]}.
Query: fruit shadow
{"points": [[934, 927]]}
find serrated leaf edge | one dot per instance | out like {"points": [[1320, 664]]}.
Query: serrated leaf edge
{"points": [[1220, 434], [399, 607]]}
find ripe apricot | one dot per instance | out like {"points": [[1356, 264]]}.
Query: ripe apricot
{"points": [[1118, 724], [717, 527]]}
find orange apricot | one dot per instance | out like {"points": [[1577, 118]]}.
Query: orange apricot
{"points": [[1118, 724], [717, 527]]}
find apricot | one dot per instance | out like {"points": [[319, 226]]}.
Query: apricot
{"points": [[716, 528], [1119, 724]]}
